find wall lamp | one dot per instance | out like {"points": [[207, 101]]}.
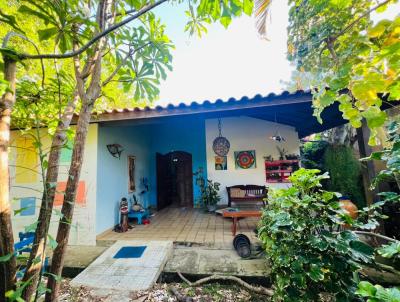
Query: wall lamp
{"points": [[115, 150]]}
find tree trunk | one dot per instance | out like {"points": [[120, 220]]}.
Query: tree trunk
{"points": [[8, 268], [38, 248], [88, 98], [69, 200]]}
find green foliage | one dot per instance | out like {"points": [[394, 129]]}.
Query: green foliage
{"points": [[390, 250], [377, 293], [209, 193], [345, 173], [312, 154], [350, 59], [391, 155], [344, 169], [308, 255]]}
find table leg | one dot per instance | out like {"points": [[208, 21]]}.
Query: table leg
{"points": [[139, 219], [234, 223]]}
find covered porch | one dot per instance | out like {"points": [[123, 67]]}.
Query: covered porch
{"points": [[186, 226], [171, 146]]}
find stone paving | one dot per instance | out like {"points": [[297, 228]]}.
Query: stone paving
{"points": [[129, 274], [186, 225]]}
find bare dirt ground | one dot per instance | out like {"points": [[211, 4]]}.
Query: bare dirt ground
{"points": [[161, 293]]}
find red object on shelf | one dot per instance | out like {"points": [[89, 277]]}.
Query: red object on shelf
{"points": [[278, 171], [146, 221]]}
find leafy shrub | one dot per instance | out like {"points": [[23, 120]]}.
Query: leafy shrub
{"points": [[312, 155], [209, 193], [343, 167], [345, 173], [308, 255], [377, 293], [391, 154]]}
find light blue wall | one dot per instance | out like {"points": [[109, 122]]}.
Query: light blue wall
{"points": [[143, 142], [112, 173], [183, 134]]}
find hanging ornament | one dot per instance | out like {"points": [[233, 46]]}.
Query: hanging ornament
{"points": [[221, 144], [277, 136]]}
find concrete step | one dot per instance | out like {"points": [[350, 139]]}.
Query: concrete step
{"points": [[126, 274]]}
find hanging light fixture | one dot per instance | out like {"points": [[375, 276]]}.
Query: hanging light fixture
{"points": [[115, 150], [221, 144], [277, 136]]}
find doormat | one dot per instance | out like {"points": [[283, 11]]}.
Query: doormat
{"points": [[130, 252]]}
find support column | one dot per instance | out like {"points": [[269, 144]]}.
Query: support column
{"points": [[367, 167]]}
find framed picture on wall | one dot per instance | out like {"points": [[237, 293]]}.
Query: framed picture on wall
{"points": [[221, 163], [131, 173]]}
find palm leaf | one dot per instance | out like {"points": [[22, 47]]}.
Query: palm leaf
{"points": [[261, 12]]}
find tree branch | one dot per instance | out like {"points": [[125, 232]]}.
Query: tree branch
{"points": [[258, 290], [128, 55], [359, 18], [7, 38], [375, 235], [100, 35]]}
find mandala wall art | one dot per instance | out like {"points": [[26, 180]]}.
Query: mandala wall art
{"points": [[245, 159]]}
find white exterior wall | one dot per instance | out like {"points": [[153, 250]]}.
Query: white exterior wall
{"points": [[83, 224], [246, 133]]}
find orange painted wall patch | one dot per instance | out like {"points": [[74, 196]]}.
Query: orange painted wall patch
{"points": [[80, 194]]}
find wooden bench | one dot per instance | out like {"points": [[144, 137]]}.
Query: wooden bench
{"points": [[246, 193], [235, 215]]}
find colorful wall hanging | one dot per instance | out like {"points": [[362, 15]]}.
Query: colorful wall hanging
{"points": [[245, 159], [28, 206], [27, 161], [80, 193], [221, 163], [131, 174], [221, 144]]}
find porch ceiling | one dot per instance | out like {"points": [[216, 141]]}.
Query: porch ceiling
{"points": [[292, 109]]}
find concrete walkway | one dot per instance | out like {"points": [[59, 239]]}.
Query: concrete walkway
{"points": [[126, 274]]}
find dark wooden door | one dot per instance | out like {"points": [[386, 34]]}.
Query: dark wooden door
{"points": [[184, 178], [162, 181], [174, 179]]}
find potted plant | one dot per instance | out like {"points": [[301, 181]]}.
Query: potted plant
{"points": [[291, 156], [282, 152], [268, 158], [209, 195]]}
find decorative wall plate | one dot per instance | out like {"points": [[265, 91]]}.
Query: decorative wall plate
{"points": [[221, 146], [245, 159]]}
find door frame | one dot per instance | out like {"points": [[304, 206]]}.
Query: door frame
{"points": [[163, 162]]}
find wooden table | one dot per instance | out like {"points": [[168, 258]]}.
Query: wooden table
{"points": [[235, 215]]}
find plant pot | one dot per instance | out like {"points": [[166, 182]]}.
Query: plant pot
{"points": [[349, 207], [211, 207]]}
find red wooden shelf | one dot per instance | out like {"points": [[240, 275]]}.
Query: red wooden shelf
{"points": [[281, 174], [278, 181], [279, 171]]}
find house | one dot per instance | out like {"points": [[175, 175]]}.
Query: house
{"points": [[164, 151]]}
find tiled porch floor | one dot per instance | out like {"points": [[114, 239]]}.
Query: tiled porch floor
{"points": [[186, 225]]}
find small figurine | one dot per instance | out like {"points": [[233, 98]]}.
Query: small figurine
{"points": [[123, 209]]}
